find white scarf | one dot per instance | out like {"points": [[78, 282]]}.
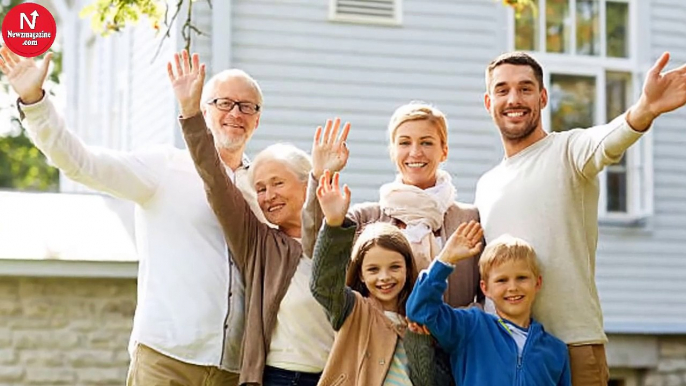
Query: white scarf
{"points": [[421, 210]]}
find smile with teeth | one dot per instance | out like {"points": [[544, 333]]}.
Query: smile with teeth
{"points": [[515, 114], [385, 287], [234, 126], [275, 207], [515, 298], [415, 164]]}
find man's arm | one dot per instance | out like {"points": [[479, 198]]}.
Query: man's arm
{"points": [[593, 149], [126, 175]]}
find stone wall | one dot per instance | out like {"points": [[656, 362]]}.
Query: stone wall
{"points": [[64, 331], [671, 368]]}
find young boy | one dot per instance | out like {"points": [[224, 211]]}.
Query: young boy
{"points": [[509, 348]]}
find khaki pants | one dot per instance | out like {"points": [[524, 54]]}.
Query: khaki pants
{"points": [[589, 365], [150, 368]]}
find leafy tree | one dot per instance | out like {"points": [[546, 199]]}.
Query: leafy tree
{"points": [[108, 16]]}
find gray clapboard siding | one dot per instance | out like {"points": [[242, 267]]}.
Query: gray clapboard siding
{"points": [[312, 69], [640, 271], [152, 107]]}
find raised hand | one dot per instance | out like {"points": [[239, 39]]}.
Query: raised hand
{"points": [[330, 152], [665, 92], [187, 81], [463, 244], [25, 77], [334, 203], [662, 92]]}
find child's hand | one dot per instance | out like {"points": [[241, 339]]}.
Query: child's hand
{"points": [[417, 328], [463, 244], [334, 203]]}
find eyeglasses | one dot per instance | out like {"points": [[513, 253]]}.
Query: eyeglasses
{"points": [[226, 104]]}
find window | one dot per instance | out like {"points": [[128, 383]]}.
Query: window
{"points": [[588, 51], [386, 12]]}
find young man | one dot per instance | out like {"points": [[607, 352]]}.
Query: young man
{"points": [[189, 319], [546, 191], [508, 348]]}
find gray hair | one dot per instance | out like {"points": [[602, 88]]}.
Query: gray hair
{"points": [[298, 161], [222, 76]]}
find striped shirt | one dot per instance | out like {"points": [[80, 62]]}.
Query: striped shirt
{"points": [[398, 373]]}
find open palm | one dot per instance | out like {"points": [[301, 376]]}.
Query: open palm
{"points": [[665, 92], [464, 243], [330, 151], [187, 78], [25, 77], [333, 201]]}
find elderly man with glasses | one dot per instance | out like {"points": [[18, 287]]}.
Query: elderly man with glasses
{"points": [[189, 318]]}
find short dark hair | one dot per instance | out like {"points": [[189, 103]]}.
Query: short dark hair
{"points": [[516, 58]]}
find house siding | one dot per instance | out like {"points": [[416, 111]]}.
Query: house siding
{"points": [[640, 270], [311, 69]]}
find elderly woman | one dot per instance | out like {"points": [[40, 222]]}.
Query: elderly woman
{"points": [[287, 335], [421, 200]]}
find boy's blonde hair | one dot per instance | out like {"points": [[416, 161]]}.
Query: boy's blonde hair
{"points": [[504, 249]]}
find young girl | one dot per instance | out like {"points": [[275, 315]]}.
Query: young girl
{"points": [[369, 299]]}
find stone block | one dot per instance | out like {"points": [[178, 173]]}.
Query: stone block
{"points": [[91, 358], [8, 356], [49, 376], [41, 357], [110, 376], [11, 374]]}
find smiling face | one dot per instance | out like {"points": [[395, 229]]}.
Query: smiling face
{"points": [[384, 273], [512, 285], [280, 194], [231, 129], [418, 151], [514, 100]]}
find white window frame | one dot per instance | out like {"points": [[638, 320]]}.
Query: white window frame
{"points": [[397, 19], [639, 156]]}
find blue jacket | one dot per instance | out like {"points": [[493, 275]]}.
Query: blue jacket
{"points": [[482, 352]]}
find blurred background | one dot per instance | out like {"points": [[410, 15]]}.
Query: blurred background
{"points": [[67, 257]]}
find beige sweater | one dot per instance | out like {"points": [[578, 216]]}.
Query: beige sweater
{"points": [[547, 194]]}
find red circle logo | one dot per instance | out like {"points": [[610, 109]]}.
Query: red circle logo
{"points": [[28, 29]]}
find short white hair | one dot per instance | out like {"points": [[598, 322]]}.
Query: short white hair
{"points": [[298, 161], [222, 76]]}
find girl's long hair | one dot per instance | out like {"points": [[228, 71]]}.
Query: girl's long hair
{"points": [[387, 237]]}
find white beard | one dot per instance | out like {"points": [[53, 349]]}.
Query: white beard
{"points": [[224, 141]]}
